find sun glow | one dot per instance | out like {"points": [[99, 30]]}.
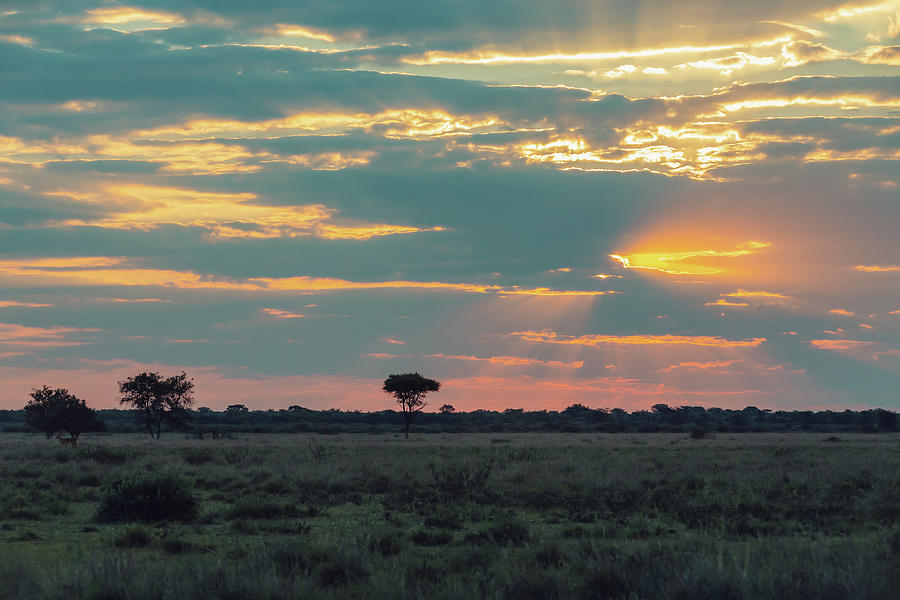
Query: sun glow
{"points": [[688, 262]]}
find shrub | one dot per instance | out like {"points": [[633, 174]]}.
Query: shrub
{"points": [[176, 546], [509, 530], [198, 456], [461, 479], [256, 508], [153, 496], [700, 434], [431, 538], [134, 536], [104, 455]]}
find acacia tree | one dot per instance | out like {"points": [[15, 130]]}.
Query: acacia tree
{"points": [[157, 399], [51, 410], [410, 390]]}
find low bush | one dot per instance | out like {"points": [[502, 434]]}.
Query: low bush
{"points": [[198, 456], [509, 530], [256, 508], [153, 496], [134, 536], [425, 537], [104, 455]]}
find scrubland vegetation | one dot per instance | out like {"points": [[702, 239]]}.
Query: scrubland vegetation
{"points": [[451, 516]]}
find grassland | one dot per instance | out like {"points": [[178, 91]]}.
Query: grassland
{"points": [[460, 516]]}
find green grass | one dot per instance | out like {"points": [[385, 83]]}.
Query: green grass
{"points": [[459, 516]]}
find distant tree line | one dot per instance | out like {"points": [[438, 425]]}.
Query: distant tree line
{"points": [[577, 418]]}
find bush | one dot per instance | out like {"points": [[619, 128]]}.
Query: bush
{"points": [[198, 456], [104, 455], [431, 538], [509, 530], [147, 497], [176, 546], [461, 479], [256, 508], [134, 536]]}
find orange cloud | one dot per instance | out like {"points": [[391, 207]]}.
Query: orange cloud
{"points": [[13, 303], [719, 364], [742, 293], [838, 345], [21, 335], [726, 303], [550, 337], [282, 314], [509, 361], [392, 341], [841, 312], [381, 355], [877, 268]]}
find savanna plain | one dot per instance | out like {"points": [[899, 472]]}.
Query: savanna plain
{"points": [[451, 516]]}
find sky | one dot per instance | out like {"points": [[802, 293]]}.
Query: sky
{"points": [[536, 203]]}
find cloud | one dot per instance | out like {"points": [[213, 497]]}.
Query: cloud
{"points": [[127, 15], [512, 361], [224, 215], [877, 268], [119, 271], [801, 52], [282, 314], [882, 55], [688, 262], [840, 345], [23, 335], [693, 365], [15, 303], [551, 337]]}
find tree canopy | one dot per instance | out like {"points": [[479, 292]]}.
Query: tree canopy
{"points": [[410, 389], [157, 399], [51, 410]]}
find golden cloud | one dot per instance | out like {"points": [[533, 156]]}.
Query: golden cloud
{"points": [[550, 337], [689, 262], [282, 314], [225, 215], [877, 268], [118, 271]]}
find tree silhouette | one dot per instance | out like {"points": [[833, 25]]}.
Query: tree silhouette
{"points": [[447, 409], [410, 390], [51, 410], [157, 400]]}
